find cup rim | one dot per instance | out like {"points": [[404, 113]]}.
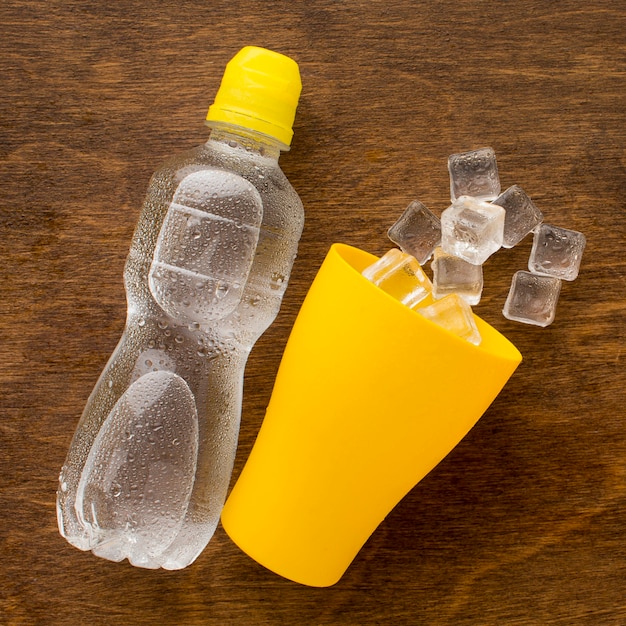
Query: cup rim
{"points": [[354, 260]]}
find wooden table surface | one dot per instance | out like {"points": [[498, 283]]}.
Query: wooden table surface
{"points": [[524, 522]]}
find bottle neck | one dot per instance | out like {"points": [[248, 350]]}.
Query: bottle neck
{"points": [[238, 137]]}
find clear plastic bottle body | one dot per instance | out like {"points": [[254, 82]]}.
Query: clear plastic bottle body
{"points": [[202, 352]]}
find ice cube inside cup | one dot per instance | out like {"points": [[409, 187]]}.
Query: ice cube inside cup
{"points": [[455, 315], [401, 276], [452, 274]]}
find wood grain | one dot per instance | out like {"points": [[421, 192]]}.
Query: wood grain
{"points": [[524, 522]]}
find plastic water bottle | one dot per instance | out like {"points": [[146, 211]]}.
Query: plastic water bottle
{"points": [[149, 465]]}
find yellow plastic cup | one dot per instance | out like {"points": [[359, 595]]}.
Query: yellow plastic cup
{"points": [[369, 397]]}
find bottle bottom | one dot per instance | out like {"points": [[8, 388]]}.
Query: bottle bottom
{"points": [[134, 489]]}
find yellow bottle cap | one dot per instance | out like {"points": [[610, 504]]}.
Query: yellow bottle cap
{"points": [[259, 91]]}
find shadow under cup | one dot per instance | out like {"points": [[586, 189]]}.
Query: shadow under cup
{"points": [[369, 397]]}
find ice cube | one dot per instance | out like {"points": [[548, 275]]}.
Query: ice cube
{"points": [[521, 216], [455, 315], [454, 275], [417, 232], [556, 252], [475, 174], [472, 229], [532, 299], [401, 276]]}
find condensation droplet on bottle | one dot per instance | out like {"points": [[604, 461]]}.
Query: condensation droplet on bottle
{"points": [[141, 322], [277, 281]]}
